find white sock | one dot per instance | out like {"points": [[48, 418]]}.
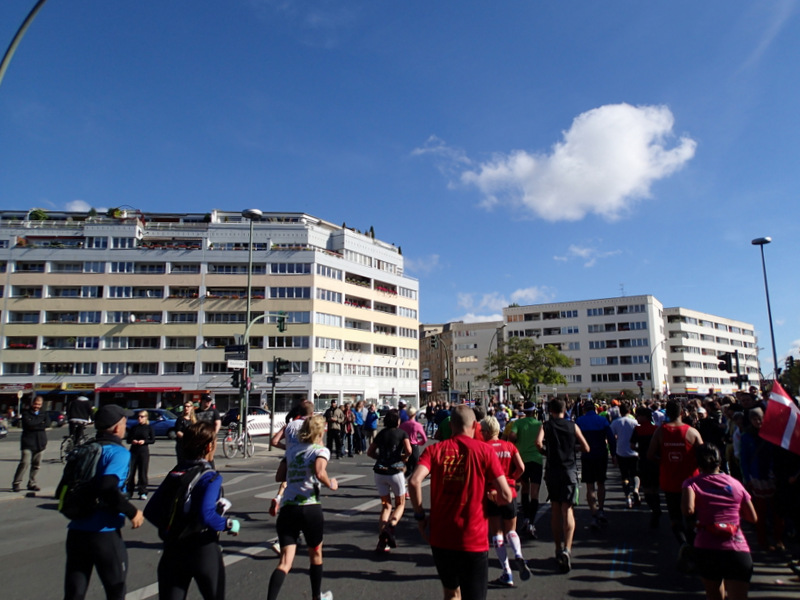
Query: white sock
{"points": [[502, 555], [512, 539]]}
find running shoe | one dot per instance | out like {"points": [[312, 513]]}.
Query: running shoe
{"points": [[505, 580], [601, 516], [142, 496], [685, 562], [326, 596], [522, 568], [637, 499], [276, 548], [390, 539], [531, 531], [595, 524], [383, 543], [565, 561]]}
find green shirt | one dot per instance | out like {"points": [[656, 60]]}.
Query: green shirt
{"points": [[527, 430]]}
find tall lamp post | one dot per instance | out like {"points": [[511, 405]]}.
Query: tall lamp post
{"points": [[497, 350], [761, 242], [252, 214]]}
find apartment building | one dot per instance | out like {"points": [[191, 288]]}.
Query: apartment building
{"points": [[627, 343], [138, 308]]}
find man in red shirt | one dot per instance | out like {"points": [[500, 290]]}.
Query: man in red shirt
{"points": [[461, 470]]}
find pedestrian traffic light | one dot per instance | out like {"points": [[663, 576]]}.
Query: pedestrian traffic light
{"points": [[282, 320], [236, 378], [726, 362], [282, 366], [435, 341]]}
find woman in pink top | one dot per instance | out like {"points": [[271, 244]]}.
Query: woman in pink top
{"points": [[719, 502], [417, 437]]}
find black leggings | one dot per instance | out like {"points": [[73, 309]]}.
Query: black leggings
{"points": [[104, 551], [140, 463], [181, 563]]}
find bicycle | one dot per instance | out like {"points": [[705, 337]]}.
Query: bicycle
{"points": [[234, 443], [68, 445]]}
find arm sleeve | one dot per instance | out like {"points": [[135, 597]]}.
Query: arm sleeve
{"points": [[151, 437], [111, 495], [208, 491]]}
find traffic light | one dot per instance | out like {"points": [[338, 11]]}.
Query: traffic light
{"points": [[282, 320], [789, 362], [726, 362], [445, 384], [236, 378], [435, 341], [282, 366]]}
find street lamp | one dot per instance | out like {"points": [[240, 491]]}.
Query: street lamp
{"points": [[252, 214], [497, 350], [761, 242]]}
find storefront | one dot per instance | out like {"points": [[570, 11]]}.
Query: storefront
{"points": [[57, 395], [135, 397]]}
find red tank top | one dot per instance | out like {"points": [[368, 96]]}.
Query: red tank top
{"points": [[678, 462]]}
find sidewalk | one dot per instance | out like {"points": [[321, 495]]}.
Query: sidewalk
{"points": [[162, 459]]}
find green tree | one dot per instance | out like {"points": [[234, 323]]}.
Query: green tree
{"points": [[38, 214], [528, 365]]}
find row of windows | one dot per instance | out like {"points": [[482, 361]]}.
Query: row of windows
{"points": [[596, 361], [709, 324], [615, 377], [623, 343]]}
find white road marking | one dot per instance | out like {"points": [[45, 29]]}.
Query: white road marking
{"points": [[367, 505]]}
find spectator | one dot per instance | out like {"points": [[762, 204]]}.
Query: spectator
{"points": [[334, 417], [32, 444], [139, 438]]}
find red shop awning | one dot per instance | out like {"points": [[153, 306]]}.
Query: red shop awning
{"points": [[137, 390]]}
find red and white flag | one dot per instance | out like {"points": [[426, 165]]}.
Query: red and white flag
{"points": [[781, 424]]}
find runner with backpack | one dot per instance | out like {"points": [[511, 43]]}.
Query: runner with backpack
{"points": [[91, 495], [189, 511]]}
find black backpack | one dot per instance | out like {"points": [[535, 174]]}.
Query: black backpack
{"points": [[77, 492], [170, 509]]}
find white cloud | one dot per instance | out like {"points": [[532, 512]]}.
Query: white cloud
{"points": [[589, 255], [494, 302], [606, 162], [77, 206], [424, 264], [779, 13]]}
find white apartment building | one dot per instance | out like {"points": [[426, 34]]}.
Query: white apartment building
{"points": [[138, 308], [628, 343]]}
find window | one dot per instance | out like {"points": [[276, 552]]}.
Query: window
{"points": [[292, 316], [178, 368], [326, 319], [290, 268], [151, 317], [149, 343], [407, 332], [227, 269], [384, 372], [96, 243], [87, 343], [85, 369], [122, 267], [119, 291], [17, 368], [406, 312], [574, 346], [569, 314], [598, 361], [411, 353], [573, 329], [115, 343], [594, 312], [20, 343], [118, 316], [29, 267], [288, 341], [113, 368], [329, 295], [328, 343], [215, 368], [407, 293], [327, 271], [23, 317], [19, 291], [329, 368], [150, 268], [290, 292], [123, 243], [232, 317], [94, 267], [358, 370], [181, 317], [180, 342], [185, 268]]}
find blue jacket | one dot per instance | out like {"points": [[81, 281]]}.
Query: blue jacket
{"points": [[597, 432]]}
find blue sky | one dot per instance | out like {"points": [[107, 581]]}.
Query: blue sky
{"points": [[517, 151]]}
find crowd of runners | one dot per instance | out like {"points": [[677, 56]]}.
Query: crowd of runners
{"points": [[489, 467]]}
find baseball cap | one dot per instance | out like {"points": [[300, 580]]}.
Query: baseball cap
{"points": [[108, 416]]}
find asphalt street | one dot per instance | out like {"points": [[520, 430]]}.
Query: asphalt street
{"points": [[627, 560]]}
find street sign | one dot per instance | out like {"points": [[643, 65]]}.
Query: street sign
{"points": [[237, 364], [506, 382], [426, 373], [236, 352], [639, 383]]}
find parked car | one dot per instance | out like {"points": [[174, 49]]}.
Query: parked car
{"points": [[233, 414], [161, 420], [57, 418]]}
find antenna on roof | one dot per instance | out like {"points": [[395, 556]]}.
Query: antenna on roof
{"points": [[622, 289]]}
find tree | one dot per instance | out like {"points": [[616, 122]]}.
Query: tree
{"points": [[37, 214], [528, 365]]}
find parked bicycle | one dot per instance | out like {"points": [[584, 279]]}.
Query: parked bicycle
{"points": [[234, 443], [68, 444]]}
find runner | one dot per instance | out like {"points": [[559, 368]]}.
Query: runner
{"points": [[560, 439], [503, 518], [627, 458], [524, 435], [301, 511], [594, 464], [647, 469]]}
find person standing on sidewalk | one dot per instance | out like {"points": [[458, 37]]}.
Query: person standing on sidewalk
{"points": [[334, 417], [462, 469], [32, 444], [139, 438]]}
